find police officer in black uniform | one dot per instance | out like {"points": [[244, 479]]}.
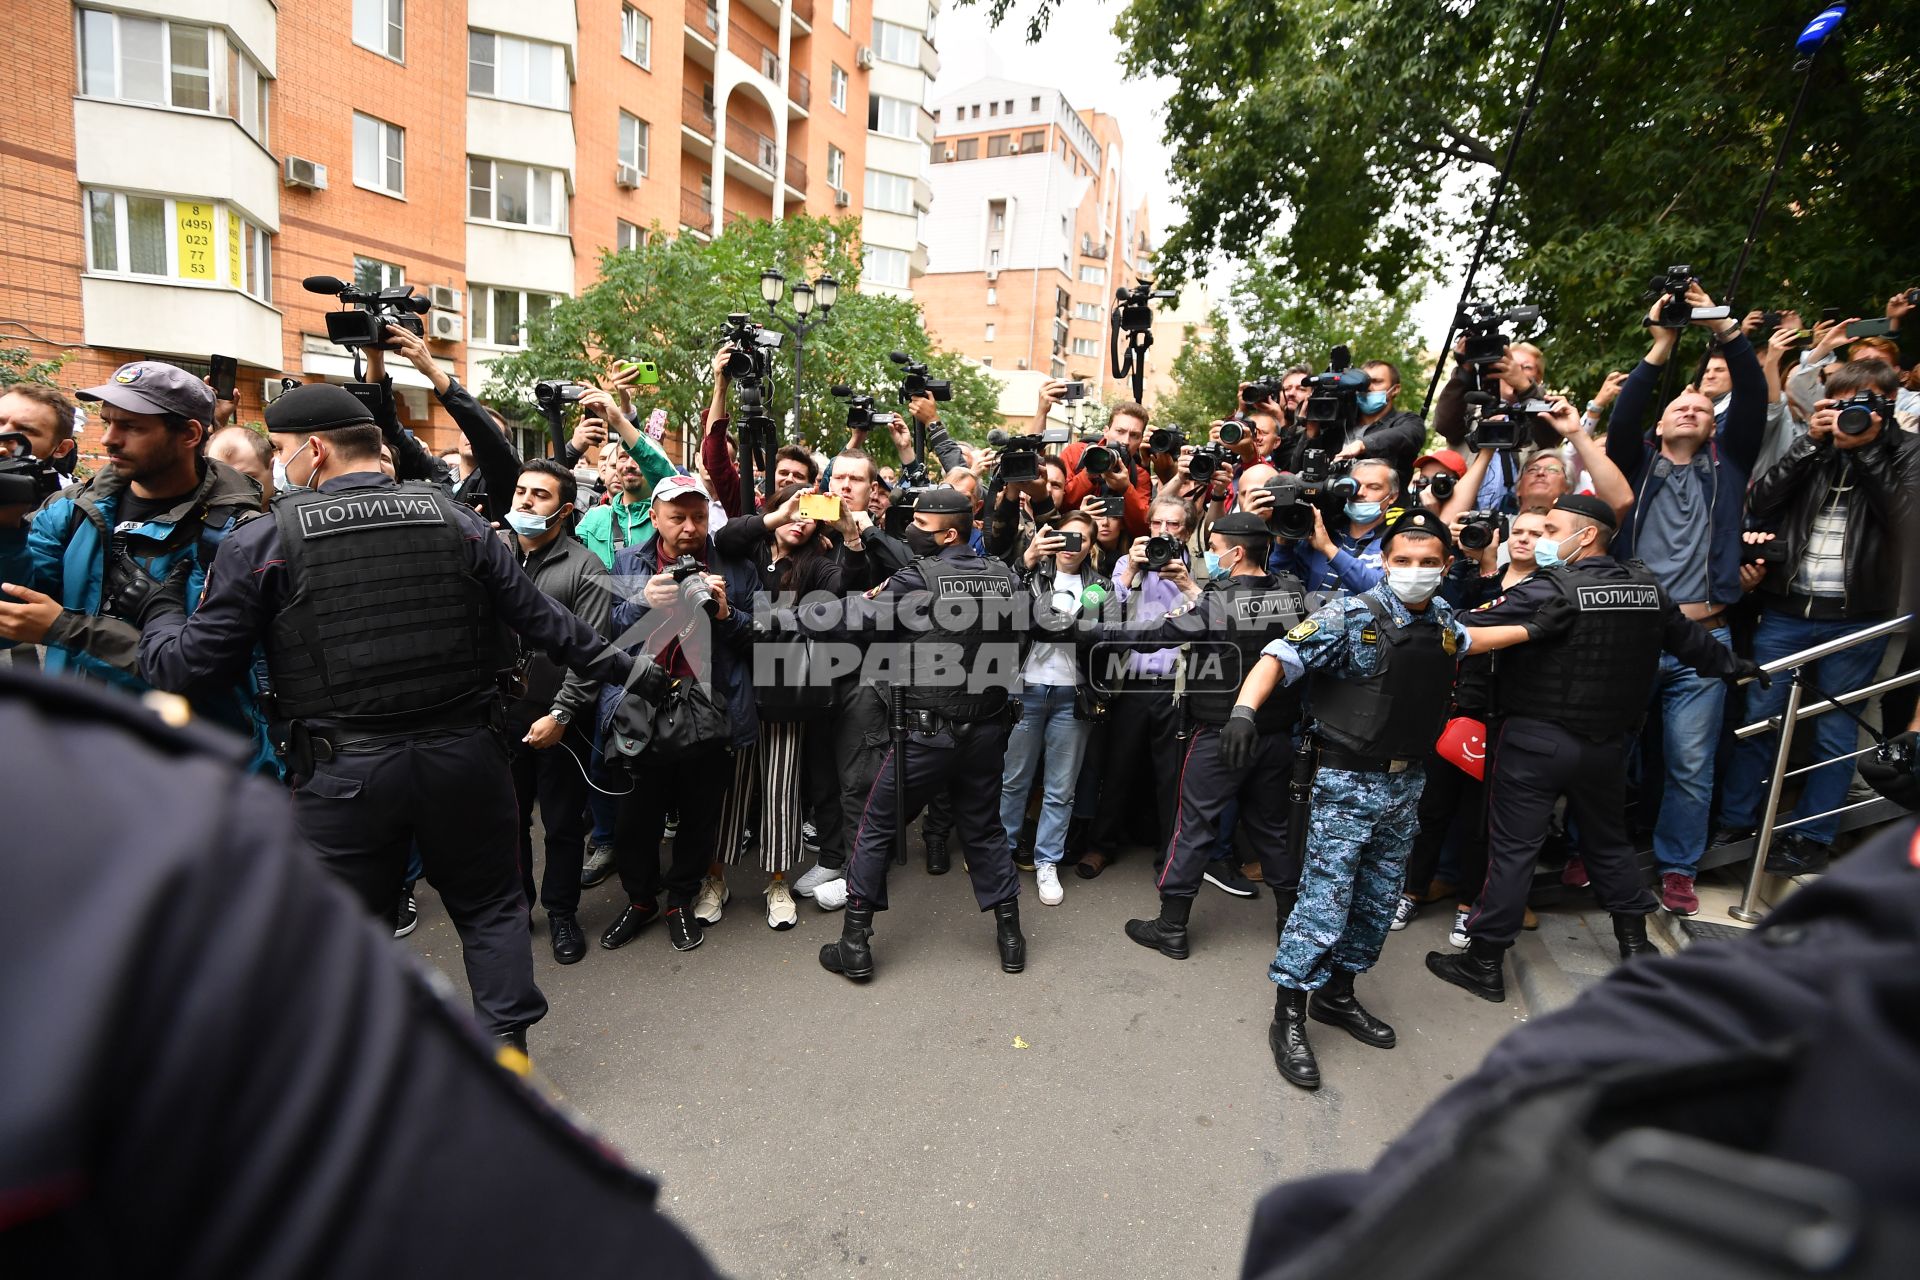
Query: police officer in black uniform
{"points": [[959, 707], [1230, 619], [385, 610], [1572, 698]]}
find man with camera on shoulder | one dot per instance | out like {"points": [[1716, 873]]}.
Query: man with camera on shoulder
{"points": [[1385, 432], [1843, 504], [1351, 559]]}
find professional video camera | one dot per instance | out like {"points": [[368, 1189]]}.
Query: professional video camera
{"points": [[1020, 455], [1675, 311], [1483, 327], [916, 379], [559, 393], [860, 414], [367, 326], [1334, 405], [1856, 413], [747, 344], [1293, 501], [1503, 426], [1130, 332], [1481, 529], [695, 590], [25, 481]]}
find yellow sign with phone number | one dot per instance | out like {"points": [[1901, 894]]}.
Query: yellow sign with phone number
{"points": [[193, 235]]}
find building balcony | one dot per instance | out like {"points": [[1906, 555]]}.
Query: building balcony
{"points": [[696, 213], [697, 113], [174, 318], [553, 23], [747, 143], [703, 31], [520, 259], [803, 14], [796, 174], [130, 147], [751, 50], [519, 133], [800, 90]]}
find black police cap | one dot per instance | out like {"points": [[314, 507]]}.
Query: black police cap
{"points": [[943, 500], [317, 406], [1585, 504], [1419, 520], [1242, 524]]}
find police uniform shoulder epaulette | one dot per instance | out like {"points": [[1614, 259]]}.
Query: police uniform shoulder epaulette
{"points": [[163, 719]]}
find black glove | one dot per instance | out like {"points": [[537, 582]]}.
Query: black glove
{"points": [[144, 599], [1747, 669], [1237, 739], [1894, 770], [1556, 614]]}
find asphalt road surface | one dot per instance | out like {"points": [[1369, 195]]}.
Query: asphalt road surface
{"points": [[1109, 1112]]}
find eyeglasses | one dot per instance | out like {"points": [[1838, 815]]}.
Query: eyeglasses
{"points": [[1544, 469]]}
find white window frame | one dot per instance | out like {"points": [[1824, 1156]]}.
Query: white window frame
{"points": [[391, 16], [1086, 347], [628, 236], [556, 183], [990, 330], [482, 296], [843, 15], [214, 74], [1092, 274], [249, 94], [391, 140], [889, 192], [993, 296], [836, 168], [636, 36], [255, 244], [901, 110], [387, 275], [635, 155], [517, 56], [872, 255], [895, 43], [837, 86], [1088, 311]]}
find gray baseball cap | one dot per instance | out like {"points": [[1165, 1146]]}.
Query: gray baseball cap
{"points": [[149, 386]]}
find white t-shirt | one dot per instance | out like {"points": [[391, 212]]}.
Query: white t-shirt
{"points": [[1051, 662]]}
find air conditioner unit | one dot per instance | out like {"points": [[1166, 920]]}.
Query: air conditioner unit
{"points": [[1014, 150], [863, 58], [1022, 362], [841, 199], [445, 326], [445, 298], [627, 175], [992, 276], [304, 173]]}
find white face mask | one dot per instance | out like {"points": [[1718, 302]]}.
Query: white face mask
{"points": [[1415, 586], [281, 484]]}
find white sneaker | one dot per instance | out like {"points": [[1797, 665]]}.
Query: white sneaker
{"points": [[1047, 876], [781, 911], [831, 895], [1458, 938], [713, 896], [1403, 912], [815, 876]]}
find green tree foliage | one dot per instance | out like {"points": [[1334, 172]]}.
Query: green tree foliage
{"points": [[1354, 128], [1207, 373], [18, 365], [668, 301]]}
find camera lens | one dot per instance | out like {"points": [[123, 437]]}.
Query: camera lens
{"points": [[1202, 466], [1476, 536], [1441, 486], [1854, 420], [1160, 551], [1097, 460], [1232, 433]]}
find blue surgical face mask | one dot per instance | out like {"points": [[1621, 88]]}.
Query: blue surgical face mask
{"points": [[1363, 512], [281, 483], [1372, 401], [1546, 553], [1214, 568], [527, 524]]}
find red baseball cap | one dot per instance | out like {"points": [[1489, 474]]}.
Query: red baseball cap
{"points": [[1447, 458]]}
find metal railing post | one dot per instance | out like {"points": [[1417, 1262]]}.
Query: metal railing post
{"points": [[1747, 912]]}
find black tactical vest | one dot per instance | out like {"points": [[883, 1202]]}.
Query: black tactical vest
{"points": [[1596, 680], [966, 664], [1396, 713], [384, 618], [1253, 612]]}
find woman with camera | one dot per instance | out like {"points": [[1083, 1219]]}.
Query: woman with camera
{"points": [[793, 558], [1055, 706]]}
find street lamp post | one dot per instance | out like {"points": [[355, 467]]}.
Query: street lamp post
{"points": [[822, 293]]}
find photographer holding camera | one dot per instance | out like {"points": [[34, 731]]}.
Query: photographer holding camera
{"points": [[625, 519], [1517, 378], [1351, 560], [1394, 435], [1843, 502], [678, 606], [1690, 478], [496, 464], [1123, 477]]}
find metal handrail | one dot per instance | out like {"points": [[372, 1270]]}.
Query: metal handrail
{"points": [[1746, 912]]}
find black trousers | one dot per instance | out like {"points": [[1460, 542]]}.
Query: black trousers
{"points": [[1206, 788], [691, 784], [1143, 728], [1450, 793], [1533, 763], [552, 779], [451, 795], [859, 745], [966, 759], [820, 784]]}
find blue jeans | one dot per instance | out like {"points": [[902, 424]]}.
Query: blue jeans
{"points": [[1691, 706], [1047, 726], [1834, 734]]}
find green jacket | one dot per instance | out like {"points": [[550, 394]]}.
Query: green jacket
{"points": [[596, 527]]}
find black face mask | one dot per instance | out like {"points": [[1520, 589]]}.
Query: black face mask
{"points": [[920, 542]]}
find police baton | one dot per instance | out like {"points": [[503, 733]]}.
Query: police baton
{"points": [[1300, 797], [897, 727]]}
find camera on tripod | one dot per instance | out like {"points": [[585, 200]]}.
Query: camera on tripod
{"points": [[1020, 455], [1334, 403], [558, 394], [695, 591], [25, 481], [1675, 311], [366, 314], [747, 344], [1133, 308], [917, 380]]}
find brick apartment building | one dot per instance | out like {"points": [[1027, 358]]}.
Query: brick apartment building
{"points": [[1033, 230], [175, 167]]}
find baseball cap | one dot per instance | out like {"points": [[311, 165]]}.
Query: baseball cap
{"points": [[1447, 458], [150, 386], [672, 487]]}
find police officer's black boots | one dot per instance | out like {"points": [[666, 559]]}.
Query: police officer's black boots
{"points": [[939, 861], [1478, 969], [1631, 932], [1166, 933], [1006, 932], [1283, 900], [1288, 1039], [852, 956], [1334, 1005], [569, 944]]}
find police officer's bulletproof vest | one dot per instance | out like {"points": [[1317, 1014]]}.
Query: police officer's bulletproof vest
{"points": [[1398, 711], [384, 618], [1596, 680], [1255, 611], [969, 611]]}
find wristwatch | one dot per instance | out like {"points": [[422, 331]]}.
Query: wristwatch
{"points": [[561, 715]]}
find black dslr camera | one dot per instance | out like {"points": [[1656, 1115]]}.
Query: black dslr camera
{"points": [[1856, 413], [365, 316], [1481, 529], [695, 590], [1439, 484], [1168, 440], [860, 414], [1207, 462], [1259, 391], [1334, 403], [1020, 455], [915, 379], [1675, 311], [1160, 552], [25, 481], [1237, 428]]}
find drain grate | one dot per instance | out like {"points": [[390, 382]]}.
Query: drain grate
{"points": [[1701, 931]]}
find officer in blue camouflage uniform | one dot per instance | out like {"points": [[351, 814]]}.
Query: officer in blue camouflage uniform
{"points": [[1379, 667]]}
